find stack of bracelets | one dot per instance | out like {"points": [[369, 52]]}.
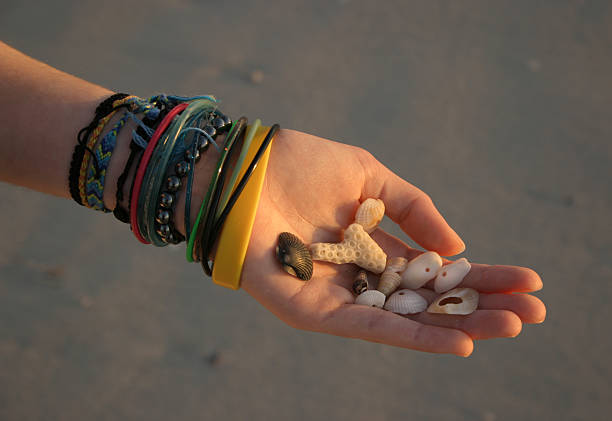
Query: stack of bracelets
{"points": [[171, 135]]}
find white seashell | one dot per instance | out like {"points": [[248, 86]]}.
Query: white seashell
{"points": [[456, 301], [389, 281], [357, 247], [396, 264], [406, 301], [371, 298], [421, 269], [369, 214], [451, 275]]}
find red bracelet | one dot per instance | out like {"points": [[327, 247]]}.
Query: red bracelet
{"points": [[142, 167]]}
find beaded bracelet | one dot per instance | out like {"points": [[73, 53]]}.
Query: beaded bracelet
{"points": [[153, 179], [214, 123], [140, 172], [207, 242], [217, 125]]}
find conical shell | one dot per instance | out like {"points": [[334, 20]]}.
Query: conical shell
{"points": [[389, 281], [406, 301], [361, 282], [451, 275], [421, 269], [369, 214], [357, 247], [456, 301], [371, 298], [396, 264], [294, 256]]}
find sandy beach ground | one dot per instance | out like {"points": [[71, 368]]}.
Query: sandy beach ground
{"points": [[501, 111]]}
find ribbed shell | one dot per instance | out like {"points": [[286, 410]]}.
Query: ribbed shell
{"points": [[294, 256], [421, 269], [389, 281], [451, 275], [361, 282], [371, 298], [369, 214], [456, 301], [406, 301]]}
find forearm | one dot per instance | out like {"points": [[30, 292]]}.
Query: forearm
{"points": [[43, 109]]}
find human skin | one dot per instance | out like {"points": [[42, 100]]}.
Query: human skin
{"points": [[312, 188]]}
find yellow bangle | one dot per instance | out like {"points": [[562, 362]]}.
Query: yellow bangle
{"points": [[236, 232]]}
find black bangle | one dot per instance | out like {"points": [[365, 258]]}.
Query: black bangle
{"points": [[205, 227], [218, 224]]}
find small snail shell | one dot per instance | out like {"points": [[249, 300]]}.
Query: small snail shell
{"points": [[396, 264], [389, 281], [361, 282]]}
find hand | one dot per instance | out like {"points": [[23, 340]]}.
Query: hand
{"points": [[312, 189]]}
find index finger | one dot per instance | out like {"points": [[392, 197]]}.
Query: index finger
{"points": [[411, 208]]}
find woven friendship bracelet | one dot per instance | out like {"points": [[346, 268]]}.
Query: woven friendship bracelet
{"points": [[96, 174], [91, 143], [104, 108]]}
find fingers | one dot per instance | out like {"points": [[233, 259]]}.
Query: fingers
{"points": [[412, 209], [481, 324], [377, 325], [529, 308], [484, 278]]}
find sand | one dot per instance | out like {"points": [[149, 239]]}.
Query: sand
{"points": [[501, 112]]}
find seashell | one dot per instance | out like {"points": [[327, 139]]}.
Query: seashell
{"points": [[406, 301], [294, 256], [371, 298], [396, 264], [357, 247], [389, 281], [456, 301], [451, 275], [361, 282], [369, 214], [421, 269]]}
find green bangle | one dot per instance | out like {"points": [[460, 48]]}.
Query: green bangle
{"points": [[248, 138], [231, 137]]}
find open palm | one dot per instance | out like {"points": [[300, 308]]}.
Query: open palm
{"points": [[313, 187]]}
